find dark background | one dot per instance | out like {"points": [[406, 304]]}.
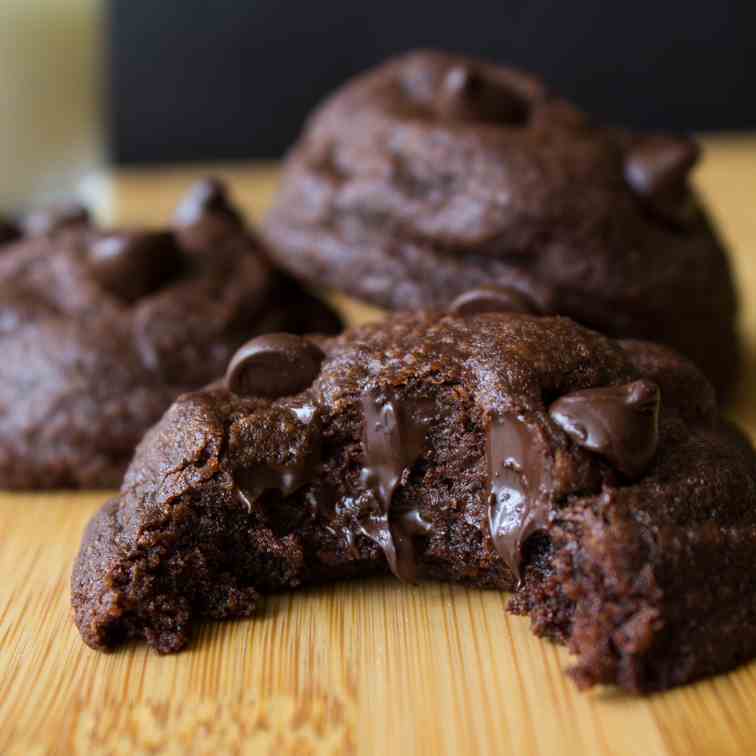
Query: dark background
{"points": [[221, 79]]}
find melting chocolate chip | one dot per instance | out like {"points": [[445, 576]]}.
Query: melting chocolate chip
{"points": [[255, 478], [206, 217], [277, 364], [657, 170], [56, 218], [466, 94], [134, 264], [519, 480], [394, 438], [621, 423], [492, 299]]}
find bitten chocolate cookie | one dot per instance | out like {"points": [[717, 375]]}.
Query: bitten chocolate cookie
{"points": [[592, 477], [435, 174], [101, 330]]}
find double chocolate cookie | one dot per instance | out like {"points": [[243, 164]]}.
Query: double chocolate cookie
{"points": [[592, 477], [434, 174], [101, 330]]}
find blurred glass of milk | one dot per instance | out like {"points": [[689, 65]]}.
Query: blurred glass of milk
{"points": [[51, 136]]}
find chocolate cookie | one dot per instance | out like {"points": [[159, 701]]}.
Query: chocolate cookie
{"points": [[435, 174], [592, 477], [101, 330]]}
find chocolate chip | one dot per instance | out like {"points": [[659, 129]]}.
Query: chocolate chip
{"points": [[56, 218], [8, 232], [206, 217], [466, 94], [492, 299], [620, 423], [277, 364], [134, 264], [253, 481], [657, 170]]}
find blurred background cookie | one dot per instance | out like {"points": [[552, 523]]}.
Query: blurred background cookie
{"points": [[434, 174], [101, 329]]}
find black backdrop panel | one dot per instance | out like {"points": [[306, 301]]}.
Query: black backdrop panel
{"points": [[215, 79]]}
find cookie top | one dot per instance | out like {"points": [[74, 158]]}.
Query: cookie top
{"points": [[537, 409], [428, 445], [102, 329], [435, 173]]}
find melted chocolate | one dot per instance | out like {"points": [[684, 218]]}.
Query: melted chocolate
{"points": [[253, 480], [620, 423], [519, 482], [394, 438]]}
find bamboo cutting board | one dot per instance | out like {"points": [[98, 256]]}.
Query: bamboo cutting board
{"points": [[363, 667]]}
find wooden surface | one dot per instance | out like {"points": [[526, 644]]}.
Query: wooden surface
{"points": [[365, 667]]}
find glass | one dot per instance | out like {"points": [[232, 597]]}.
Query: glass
{"points": [[51, 141]]}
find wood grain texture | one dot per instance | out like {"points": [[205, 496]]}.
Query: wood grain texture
{"points": [[362, 667]]}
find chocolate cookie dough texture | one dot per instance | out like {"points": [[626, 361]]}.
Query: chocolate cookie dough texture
{"points": [[434, 174], [100, 330], [591, 477]]}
